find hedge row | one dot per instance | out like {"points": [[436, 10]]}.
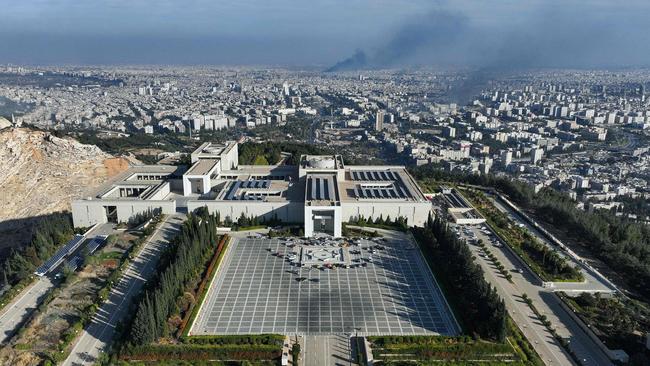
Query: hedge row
{"points": [[430, 348], [384, 341], [204, 286], [427, 351], [201, 352], [254, 339]]}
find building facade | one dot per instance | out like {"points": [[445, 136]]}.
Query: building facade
{"points": [[321, 193]]}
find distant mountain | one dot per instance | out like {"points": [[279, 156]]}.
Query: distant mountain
{"points": [[42, 173]]}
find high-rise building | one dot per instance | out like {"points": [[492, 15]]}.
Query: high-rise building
{"points": [[449, 132], [197, 123], [379, 120], [536, 155], [642, 91], [611, 118], [506, 157]]}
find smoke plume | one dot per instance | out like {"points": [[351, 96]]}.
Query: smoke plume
{"points": [[435, 30], [548, 34]]}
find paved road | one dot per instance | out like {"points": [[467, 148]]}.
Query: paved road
{"points": [[327, 350], [27, 301], [592, 283], [540, 338], [546, 302], [312, 129], [101, 330]]}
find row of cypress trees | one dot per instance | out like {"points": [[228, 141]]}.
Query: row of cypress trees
{"points": [[477, 303], [179, 265], [623, 244]]}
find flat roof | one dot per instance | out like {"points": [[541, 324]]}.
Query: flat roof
{"points": [[202, 167], [129, 177], [262, 183], [262, 190], [321, 162], [244, 171], [379, 183], [211, 149], [321, 189], [455, 200], [148, 189]]}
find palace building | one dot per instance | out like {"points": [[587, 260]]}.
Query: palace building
{"points": [[321, 192]]}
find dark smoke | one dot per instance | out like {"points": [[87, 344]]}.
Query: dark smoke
{"points": [[549, 34], [358, 61], [436, 30]]}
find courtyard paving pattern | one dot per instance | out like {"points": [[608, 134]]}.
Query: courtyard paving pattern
{"points": [[257, 292]]}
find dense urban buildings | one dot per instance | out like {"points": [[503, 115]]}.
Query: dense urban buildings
{"points": [[562, 129]]}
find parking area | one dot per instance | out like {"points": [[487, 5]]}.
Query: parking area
{"points": [[388, 289]]}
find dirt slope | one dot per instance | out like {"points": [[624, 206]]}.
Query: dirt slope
{"points": [[41, 173]]}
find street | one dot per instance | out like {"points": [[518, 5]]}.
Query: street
{"points": [[101, 330], [592, 281], [546, 303], [327, 350], [27, 301]]}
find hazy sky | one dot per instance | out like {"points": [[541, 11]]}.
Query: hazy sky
{"points": [[484, 33]]}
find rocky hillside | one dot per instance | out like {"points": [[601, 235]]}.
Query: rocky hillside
{"points": [[42, 173]]}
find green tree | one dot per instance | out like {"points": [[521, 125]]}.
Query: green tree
{"points": [[177, 267], [482, 311]]}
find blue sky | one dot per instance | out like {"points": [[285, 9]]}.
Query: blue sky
{"points": [[289, 32]]}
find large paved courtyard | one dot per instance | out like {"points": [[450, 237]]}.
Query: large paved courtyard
{"points": [[257, 292]]}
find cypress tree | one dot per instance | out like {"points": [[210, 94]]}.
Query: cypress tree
{"points": [[482, 310], [178, 266], [143, 326]]}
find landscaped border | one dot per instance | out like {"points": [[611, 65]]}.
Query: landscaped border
{"points": [[204, 287]]}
